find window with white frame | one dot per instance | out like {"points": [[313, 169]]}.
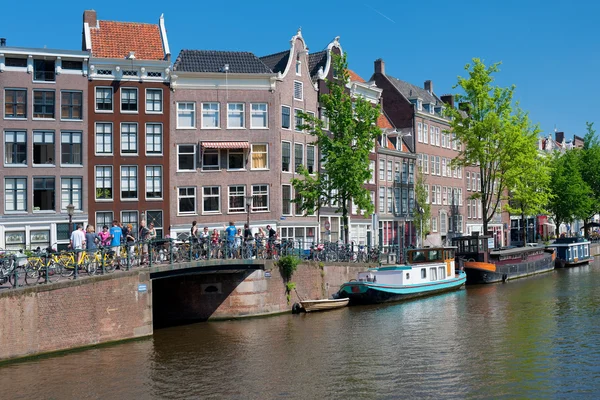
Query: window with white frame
{"points": [[434, 225], [382, 170], [154, 139], [437, 166], [381, 199], [129, 186], [459, 169], [298, 122], [286, 117], [433, 194], [437, 136], [43, 147], [154, 182], [468, 178], [103, 218], [420, 132], [469, 209], [390, 199], [460, 197], [425, 163], [390, 165], [186, 200], [453, 141], [443, 138], [237, 198], [186, 115], [71, 104], [104, 138], [260, 156], [130, 217], [15, 103], [443, 222], [104, 186], [372, 169], [70, 148], [129, 100], [426, 190], [211, 199], [310, 159], [15, 194], [235, 115], [438, 194], [298, 156], [286, 198], [432, 135], [154, 100], [236, 159], [129, 139], [186, 157], [298, 91], [443, 166], [44, 194], [210, 160], [210, 115], [444, 196], [286, 155], [474, 181], [104, 99], [71, 190], [425, 135], [258, 115], [260, 198], [478, 182], [298, 68]]}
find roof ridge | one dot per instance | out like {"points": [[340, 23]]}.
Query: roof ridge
{"points": [[221, 51], [275, 54], [123, 22]]}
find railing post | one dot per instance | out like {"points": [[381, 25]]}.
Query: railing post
{"points": [[150, 253], [170, 251], [16, 273], [128, 253], [46, 266], [76, 268], [103, 256]]}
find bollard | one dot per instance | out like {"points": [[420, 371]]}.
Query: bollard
{"points": [[76, 266], [170, 251]]}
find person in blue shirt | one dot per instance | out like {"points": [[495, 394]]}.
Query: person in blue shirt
{"points": [[231, 230], [115, 236]]}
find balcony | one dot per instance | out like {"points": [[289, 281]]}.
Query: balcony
{"points": [[44, 71]]}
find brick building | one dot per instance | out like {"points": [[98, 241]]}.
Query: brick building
{"points": [[128, 121], [44, 134]]}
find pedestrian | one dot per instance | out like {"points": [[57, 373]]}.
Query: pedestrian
{"points": [[237, 243], [116, 236], [194, 233], [214, 240], [78, 242], [144, 236], [129, 239], [248, 233], [104, 236], [231, 230], [91, 238]]}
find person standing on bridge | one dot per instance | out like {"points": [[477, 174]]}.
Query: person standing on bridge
{"points": [[78, 241], [231, 230], [116, 233]]}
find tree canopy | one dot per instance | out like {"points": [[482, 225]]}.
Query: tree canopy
{"points": [[344, 149]]}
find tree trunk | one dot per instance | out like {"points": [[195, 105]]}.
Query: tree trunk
{"points": [[345, 220], [524, 224]]}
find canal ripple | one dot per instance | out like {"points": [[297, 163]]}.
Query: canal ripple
{"points": [[533, 338]]}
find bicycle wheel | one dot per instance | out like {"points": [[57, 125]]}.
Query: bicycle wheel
{"points": [[53, 270], [68, 267], [32, 271], [90, 265], [20, 271]]}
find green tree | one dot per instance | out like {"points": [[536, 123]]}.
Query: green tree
{"points": [[344, 149], [590, 169], [422, 209], [572, 197], [494, 137]]}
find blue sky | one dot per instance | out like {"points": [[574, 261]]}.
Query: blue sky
{"points": [[548, 49]]}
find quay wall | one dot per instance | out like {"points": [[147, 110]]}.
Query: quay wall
{"points": [[75, 313], [192, 298]]}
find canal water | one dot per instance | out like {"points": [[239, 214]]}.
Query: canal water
{"points": [[533, 338]]}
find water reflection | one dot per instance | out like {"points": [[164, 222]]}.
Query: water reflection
{"points": [[533, 338]]}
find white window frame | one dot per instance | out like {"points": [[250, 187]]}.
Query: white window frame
{"points": [[242, 112], [16, 180], [434, 225], [266, 153], [244, 159], [211, 195], [158, 90], [210, 111], [137, 183], [112, 183], [254, 210], [194, 196], [146, 141], [301, 120], [372, 169], [194, 155], [112, 97], [264, 113], [291, 205], [420, 132], [61, 104], [298, 68], [70, 179], [137, 139], [299, 85], [314, 161], [211, 165], [301, 145], [289, 128], [230, 195], [146, 186], [425, 134], [426, 164], [193, 111], [137, 99], [112, 139]]}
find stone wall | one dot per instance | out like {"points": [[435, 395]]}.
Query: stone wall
{"points": [[194, 298], [72, 314]]}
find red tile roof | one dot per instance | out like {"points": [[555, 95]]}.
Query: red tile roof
{"points": [[116, 39], [383, 122], [354, 77]]}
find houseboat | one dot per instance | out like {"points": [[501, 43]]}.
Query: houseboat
{"points": [[485, 265], [426, 271], [571, 251]]}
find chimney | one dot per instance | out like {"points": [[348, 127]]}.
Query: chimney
{"points": [[560, 137], [90, 17], [448, 99], [428, 85], [2, 42], [379, 66]]}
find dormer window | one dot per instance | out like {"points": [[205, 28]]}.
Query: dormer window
{"points": [[298, 67], [419, 105], [431, 108], [43, 70]]}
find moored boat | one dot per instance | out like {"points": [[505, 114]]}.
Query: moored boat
{"points": [[483, 265], [571, 251], [323, 305], [426, 271]]}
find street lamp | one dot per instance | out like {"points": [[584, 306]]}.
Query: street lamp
{"points": [[248, 205], [70, 212]]}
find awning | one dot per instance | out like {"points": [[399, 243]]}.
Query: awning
{"points": [[225, 145]]}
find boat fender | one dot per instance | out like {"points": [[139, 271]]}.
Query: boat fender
{"points": [[504, 278], [297, 308]]}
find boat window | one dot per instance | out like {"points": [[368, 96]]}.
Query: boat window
{"points": [[434, 255], [432, 274], [441, 272], [407, 276], [418, 256], [424, 273], [586, 250], [574, 251]]}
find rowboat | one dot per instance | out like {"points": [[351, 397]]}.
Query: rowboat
{"points": [[427, 271], [323, 305]]}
